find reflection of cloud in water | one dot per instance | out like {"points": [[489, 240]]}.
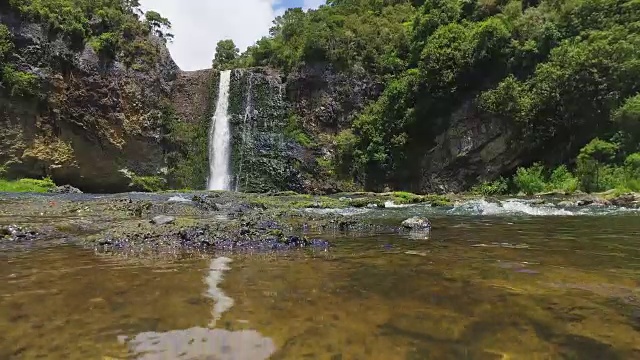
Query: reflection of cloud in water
{"points": [[203, 343], [222, 301]]}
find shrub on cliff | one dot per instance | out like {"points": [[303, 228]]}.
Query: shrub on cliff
{"points": [[491, 188], [6, 45], [109, 26]]}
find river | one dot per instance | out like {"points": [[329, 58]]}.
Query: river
{"points": [[491, 282]]}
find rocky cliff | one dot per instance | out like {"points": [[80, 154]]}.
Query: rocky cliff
{"points": [[91, 123], [284, 133], [107, 126]]}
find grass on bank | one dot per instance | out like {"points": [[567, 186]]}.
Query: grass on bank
{"points": [[27, 185], [536, 179]]}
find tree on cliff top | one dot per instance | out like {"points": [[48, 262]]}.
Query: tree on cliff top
{"points": [[226, 54], [159, 25]]}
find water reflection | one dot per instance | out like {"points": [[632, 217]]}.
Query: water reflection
{"points": [[222, 302], [205, 343], [202, 343]]}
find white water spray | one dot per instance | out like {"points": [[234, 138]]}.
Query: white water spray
{"points": [[219, 138]]}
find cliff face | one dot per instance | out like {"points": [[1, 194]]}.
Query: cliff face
{"points": [[283, 132], [263, 157], [469, 151], [92, 124], [326, 100], [102, 126]]}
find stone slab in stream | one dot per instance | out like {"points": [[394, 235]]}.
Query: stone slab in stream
{"points": [[162, 220]]}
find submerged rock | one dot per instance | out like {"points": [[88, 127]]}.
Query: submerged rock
{"points": [[417, 223], [418, 253], [16, 233], [207, 202], [210, 237]]}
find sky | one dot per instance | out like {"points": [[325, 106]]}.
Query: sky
{"points": [[198, 25]]}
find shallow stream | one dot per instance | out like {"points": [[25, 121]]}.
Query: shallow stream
{"points": [[495, 280]]}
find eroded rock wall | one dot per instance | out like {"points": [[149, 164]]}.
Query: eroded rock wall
{"points": [[93, 124]]}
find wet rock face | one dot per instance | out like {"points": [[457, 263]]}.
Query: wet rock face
{"points": [[263, 157], [91, 119], [470, 149]]}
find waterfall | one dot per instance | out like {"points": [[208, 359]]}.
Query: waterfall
{"points": [[219, 138]]}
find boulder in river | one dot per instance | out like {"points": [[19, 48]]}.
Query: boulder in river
{"points": [[417, 223], [627, 201], [65, 189]]}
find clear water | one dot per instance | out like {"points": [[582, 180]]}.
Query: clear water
{"points": [[219, 138], [509, 285]]}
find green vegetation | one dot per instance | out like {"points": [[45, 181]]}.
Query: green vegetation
{"points": [[537, 180], [226, 55], [296, 133], [187, 145], [491, 188], [557, 74], [19, 83], [14, 82], [111, 27], [148, 183], [27, 185], [600, 167]]}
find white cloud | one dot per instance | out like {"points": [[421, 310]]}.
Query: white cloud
{"points": [[313, 4], [198, 25]]}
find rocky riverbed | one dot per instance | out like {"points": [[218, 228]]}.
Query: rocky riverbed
{"points": [[160, 223]]}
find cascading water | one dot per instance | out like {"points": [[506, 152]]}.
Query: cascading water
{"points": [[219, 138]]}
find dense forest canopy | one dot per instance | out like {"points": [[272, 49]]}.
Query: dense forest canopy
{"points": [[558, 73]]}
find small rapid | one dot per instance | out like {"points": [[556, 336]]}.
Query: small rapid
{"points": [[523, 207], [509, 207], [480, 207]]}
